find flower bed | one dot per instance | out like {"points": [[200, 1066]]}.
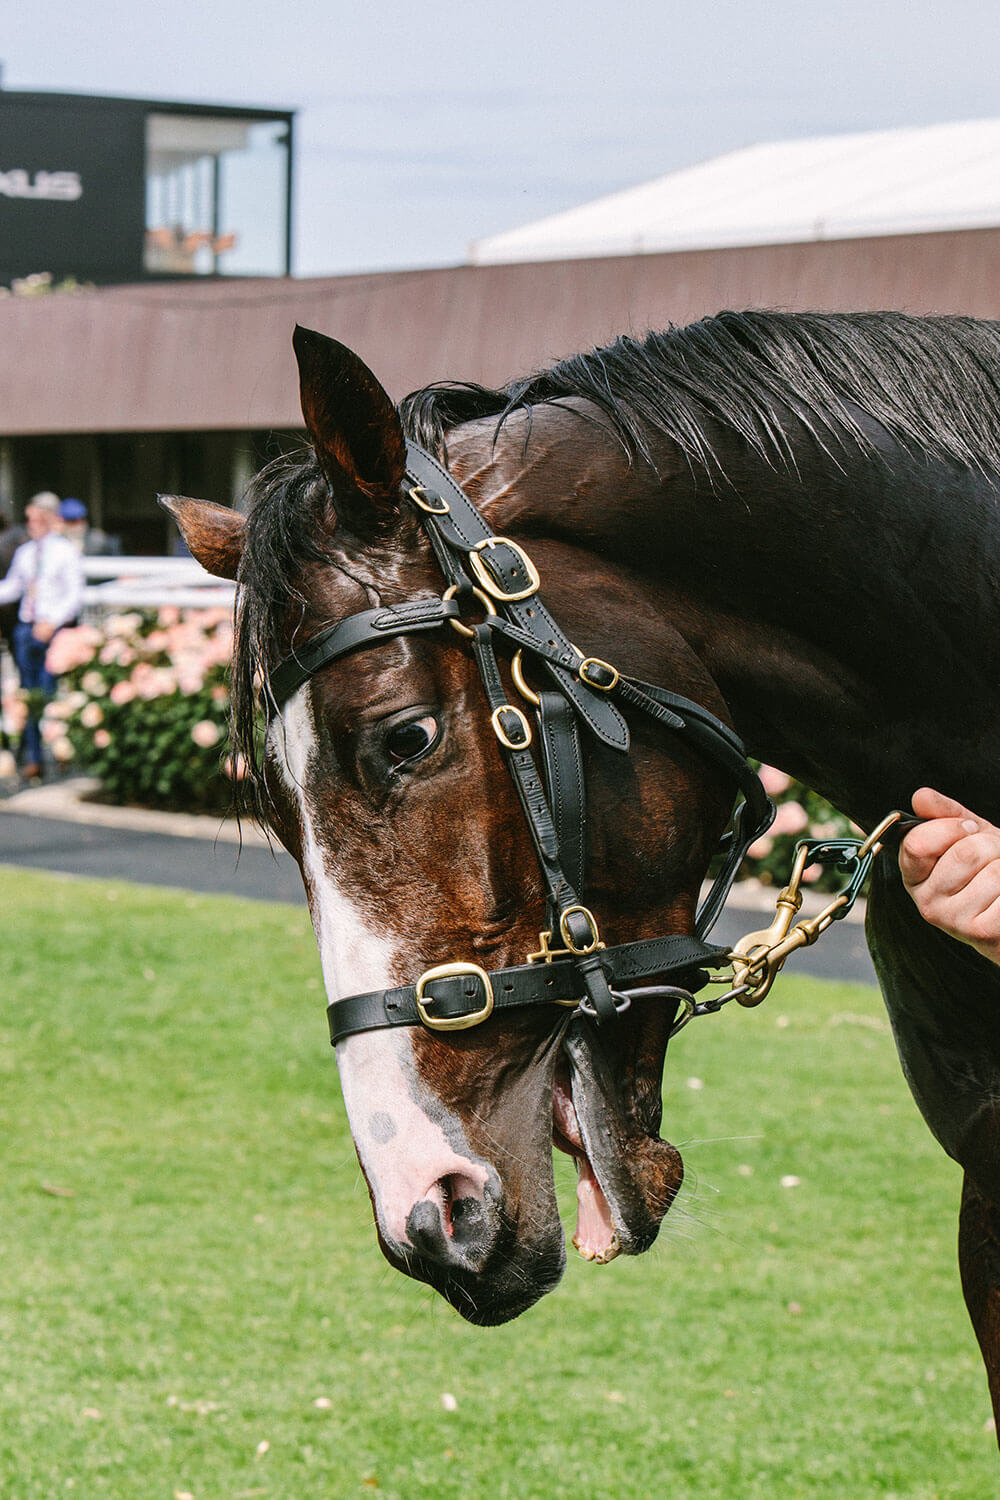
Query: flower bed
{"points": [[144, 706], [801, 814]]}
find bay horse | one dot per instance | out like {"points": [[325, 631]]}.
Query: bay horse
{"points": [[789, 520]]}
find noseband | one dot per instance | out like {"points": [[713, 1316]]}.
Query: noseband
{"points": [[494, 573]]}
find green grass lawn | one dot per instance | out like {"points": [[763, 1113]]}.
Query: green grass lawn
{"points": [[194, 1304]]}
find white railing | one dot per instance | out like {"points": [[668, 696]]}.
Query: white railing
{"points": [[151, 582]]}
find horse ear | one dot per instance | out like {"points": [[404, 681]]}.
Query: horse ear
{"points": [[214, 534], [353, 426]]}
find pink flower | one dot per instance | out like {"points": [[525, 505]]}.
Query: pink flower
{"points": [[94, 684], [72, 648], [206, 734], [122, 692], [122, 625], [761, 848], [15, 713], [774, 781], [169, 615], [791, 817], [102, 739], [62, 749], [92, 715]]}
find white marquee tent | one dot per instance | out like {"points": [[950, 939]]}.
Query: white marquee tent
{"points": [[886, 182]]}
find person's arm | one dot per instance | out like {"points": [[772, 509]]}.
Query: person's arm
{"points": [[951, 867], [14, 585]]}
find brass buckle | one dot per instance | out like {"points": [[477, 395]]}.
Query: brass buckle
{"points": [[418, 493], [453, 1023], [490, 584], [503, 735], [597, 662], [487, 604], [595, 937]]}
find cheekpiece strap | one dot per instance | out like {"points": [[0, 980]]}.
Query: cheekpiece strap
{"points": [[506, 575]]}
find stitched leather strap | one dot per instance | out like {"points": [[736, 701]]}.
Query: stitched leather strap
{"points": [[464, 528], [556, 983], [363, 629], [563, 767]]}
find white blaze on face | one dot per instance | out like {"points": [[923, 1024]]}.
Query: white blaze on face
{"points": [[404, 1152]]}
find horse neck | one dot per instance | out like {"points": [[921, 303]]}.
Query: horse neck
{"points": [[850, 622], [846, 611]]}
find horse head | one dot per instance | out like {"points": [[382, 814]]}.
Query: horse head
{"points": [[382, 775]]}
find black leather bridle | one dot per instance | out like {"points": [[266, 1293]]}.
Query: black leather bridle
{"points": [[580, 971]]}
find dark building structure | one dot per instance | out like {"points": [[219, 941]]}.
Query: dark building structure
{"points": [[126, 190], [120, 391]]}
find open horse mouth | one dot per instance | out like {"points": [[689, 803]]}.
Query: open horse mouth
{"points": [[596, 1237], [627, 1177], [493, 1249]]}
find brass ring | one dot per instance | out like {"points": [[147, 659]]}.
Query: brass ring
{"points": [[521, 682], [484, 600]]}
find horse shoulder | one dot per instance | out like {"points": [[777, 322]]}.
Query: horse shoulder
{"points": [[943, 1001]]}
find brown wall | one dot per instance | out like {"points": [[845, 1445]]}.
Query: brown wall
{"points": [[218, 355]]}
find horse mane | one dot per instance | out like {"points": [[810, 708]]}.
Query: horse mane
{"points": [[933, 383]]}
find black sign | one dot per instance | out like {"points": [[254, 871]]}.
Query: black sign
{"points": [[73, 182], [72, 187]]}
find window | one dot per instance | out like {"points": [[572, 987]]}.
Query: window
{"points": [[216, 195]]}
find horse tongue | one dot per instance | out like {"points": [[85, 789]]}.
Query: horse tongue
{"points": [[595, 1236], [627, 1176]]}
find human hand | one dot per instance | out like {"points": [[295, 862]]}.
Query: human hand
{"points": [[43, 631], [951, 867]]}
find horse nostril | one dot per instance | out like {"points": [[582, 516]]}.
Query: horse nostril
{"points": [[468, 1218], [453, 1224]]}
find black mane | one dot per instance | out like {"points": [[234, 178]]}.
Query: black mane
{"points": [[932, 382]]}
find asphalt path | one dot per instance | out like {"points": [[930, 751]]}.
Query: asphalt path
{"points": [[145, 858], [259, 874]]}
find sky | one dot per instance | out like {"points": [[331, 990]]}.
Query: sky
{"points": [[424, 126]]}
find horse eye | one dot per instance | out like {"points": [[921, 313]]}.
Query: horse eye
{"points": [[408, 741]]}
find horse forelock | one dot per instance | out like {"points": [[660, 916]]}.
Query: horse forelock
{"points": [[299, 563]]}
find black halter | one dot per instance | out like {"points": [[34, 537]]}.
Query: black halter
{"points": [[580, 971]]}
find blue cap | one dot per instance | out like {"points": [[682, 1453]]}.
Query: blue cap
{"points": [[73, 510]]}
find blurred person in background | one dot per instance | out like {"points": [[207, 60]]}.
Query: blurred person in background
{"points": [[88, 540], [11, 537], [46, 577]]}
